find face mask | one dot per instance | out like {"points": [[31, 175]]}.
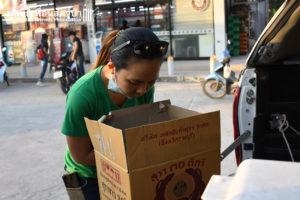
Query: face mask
{"points": [[112, 86]]}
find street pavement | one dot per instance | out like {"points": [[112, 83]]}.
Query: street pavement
{"points": [[32, 147]]}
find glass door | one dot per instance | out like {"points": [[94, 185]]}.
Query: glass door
{"points": [[158, 20], [104, 21], [130, 17]]}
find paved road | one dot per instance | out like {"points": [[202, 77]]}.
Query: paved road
{"points": [[181, 68], [32, 147]]}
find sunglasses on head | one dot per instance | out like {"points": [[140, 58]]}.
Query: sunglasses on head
{"points": [[145, 49]]}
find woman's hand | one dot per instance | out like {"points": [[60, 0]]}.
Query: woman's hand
{"points": [[82, 150]]}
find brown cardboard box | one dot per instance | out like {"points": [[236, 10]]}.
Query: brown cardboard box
{"points": [[156, 151]]}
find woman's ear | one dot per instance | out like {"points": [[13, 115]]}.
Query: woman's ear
{"points": [[111, 67]]}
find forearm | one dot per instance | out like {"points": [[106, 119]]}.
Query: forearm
{"points": [[91, 159], [88, 160], [82, 150], [72, 55]]}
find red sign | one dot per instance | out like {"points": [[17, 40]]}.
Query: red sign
{"points": [[111, 171]]}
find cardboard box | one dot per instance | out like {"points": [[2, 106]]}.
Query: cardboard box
{"points": [[156, 151]]}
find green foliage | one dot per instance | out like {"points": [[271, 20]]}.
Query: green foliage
{"points": [[274, 5]]}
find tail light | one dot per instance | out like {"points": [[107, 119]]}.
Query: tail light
{"points": [[238, 150]]}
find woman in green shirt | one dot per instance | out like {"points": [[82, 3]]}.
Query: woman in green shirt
{"points": [[123, 76]]}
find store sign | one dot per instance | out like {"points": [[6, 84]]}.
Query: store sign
{"points": [[12, 5], [200, 5]]}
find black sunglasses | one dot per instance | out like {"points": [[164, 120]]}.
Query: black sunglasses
{"points": [[146, 49]]}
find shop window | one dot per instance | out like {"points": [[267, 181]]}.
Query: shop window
{"points": [[130, 17], [159, 17], [159, 22], [104, 21], [13, 25], [192, 29], [102, 2]]}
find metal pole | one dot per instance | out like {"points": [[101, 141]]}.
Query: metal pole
{"points": [[95, 15], [170, 27], [113, 14], [27, 22], [148, 12], [54, 5], [2, 38], [1, 32], [145, 16]]}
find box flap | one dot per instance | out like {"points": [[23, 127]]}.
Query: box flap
{"points": [[107, 141], [155, 143], [138, 115]]}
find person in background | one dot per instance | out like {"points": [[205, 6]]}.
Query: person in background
{"points": [[124, 25], [137, 23], [123, 75], [44, 61], [77, 52]]}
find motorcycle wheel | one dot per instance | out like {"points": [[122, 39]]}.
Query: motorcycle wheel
{"points": [[63, 82], [214, 89]]}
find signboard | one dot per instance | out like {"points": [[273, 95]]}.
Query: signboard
{"points": [[12, 5]]}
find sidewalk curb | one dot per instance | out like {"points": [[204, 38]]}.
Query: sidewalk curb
{"points": [[186, 79], [30, 80]]}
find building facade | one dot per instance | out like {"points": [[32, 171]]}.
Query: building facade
{"points": [[188, 25], [195, 29]]}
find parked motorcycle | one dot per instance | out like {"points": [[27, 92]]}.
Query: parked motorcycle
{"points": [[3, 66], [65, 72], [222, 81]]}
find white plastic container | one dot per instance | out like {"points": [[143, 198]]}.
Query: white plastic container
{"points": [[259, 180], [170, 66]]}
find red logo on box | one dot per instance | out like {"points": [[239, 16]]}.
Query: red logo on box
{"points": [[111, 172]]}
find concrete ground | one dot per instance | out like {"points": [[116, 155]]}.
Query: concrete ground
{"points": [[191, 70], [32, 147]]}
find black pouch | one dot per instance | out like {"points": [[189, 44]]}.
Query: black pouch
{"points": [[74, 186]]}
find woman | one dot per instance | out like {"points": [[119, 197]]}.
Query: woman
{"points": [[44, 61], [123, 76]]}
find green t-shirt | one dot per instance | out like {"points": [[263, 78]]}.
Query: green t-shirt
{"points": [[89, 98]]}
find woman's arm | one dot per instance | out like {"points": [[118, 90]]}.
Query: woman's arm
{"points": [[45, 51], [81, 150], [75, 47]]}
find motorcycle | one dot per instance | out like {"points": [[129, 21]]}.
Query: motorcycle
{"points": [[3, 66], [65, 72], [222, 81]]}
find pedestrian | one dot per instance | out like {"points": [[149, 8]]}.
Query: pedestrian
{"points": [[44, 61], [137, 23], [77, 52], [124, 25], [123, 75]]}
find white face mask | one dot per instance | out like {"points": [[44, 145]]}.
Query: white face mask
{"points": [[113, 86]]}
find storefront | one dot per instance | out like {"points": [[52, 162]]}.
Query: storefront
{"points": [[188, 25], [195, 29], [22, 29], [246, 19]]}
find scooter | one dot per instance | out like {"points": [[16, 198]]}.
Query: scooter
{"points": [[65, 72], [3, 66], [222, 81]]}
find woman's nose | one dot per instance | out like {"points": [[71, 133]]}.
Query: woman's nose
{"points": [[142, 89]]}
